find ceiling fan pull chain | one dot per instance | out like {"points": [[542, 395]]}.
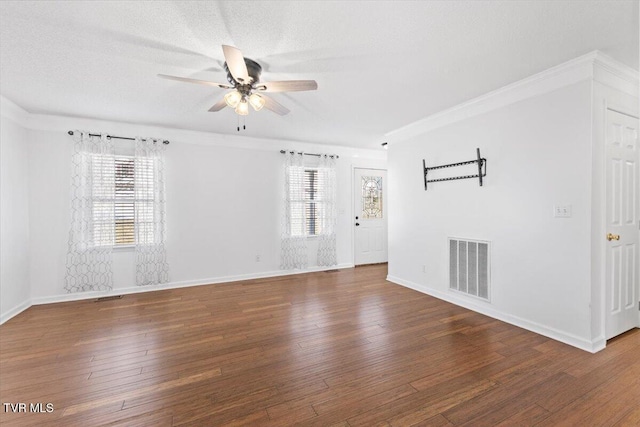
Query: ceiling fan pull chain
{"points": [[244, 125], [238, 120]]}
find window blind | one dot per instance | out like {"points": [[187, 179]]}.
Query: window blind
{"points": [[123, 200], [124, 206], [307, 206], [311, 200]]}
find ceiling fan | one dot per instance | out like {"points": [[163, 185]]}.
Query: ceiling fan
{"points": [[243, 75]]}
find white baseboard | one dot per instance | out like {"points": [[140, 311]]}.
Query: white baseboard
{"points": [[15, 311], [595, 346], [567, 338], [175, 285], [598, 344]]}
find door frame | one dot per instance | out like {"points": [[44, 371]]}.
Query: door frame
{"points": [[352, 209]]}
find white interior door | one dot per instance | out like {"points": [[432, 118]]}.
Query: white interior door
{"points": [[370, 212], [623, 217]]}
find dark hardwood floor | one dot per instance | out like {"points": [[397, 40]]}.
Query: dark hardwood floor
{"points": [[342, 348]]}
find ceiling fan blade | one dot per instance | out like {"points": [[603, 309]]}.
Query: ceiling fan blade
{"points": [[236, 64], [200, 82], [218, 106], [287, 86], [275, 106]]}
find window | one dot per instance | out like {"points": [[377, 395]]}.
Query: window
{"points": [[124, 187], [124, 207], [311, 205], [309, 209], [306, 205], [371, 197]]}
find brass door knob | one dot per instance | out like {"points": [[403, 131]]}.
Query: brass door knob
{"points": [[611, 237]]}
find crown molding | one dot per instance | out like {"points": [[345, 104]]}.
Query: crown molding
{"points": [[615, 74], [62, 124], [13, 111], [583, 68]]}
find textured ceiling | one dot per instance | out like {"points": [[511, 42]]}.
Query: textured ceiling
{"points": [[379, 65]]}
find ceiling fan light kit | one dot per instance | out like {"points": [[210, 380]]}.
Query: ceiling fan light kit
{"points": [[233, 98], [243, 107], [243, 75], [256, 101]]}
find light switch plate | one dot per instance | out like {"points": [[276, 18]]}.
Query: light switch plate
{"points": [[562, 211]]}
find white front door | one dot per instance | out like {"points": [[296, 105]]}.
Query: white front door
{"points": [[370, 215], [623, 215]]}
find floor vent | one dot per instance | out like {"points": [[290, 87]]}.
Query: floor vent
{"points": [[469, 267], [101, 299], [332, 271]]}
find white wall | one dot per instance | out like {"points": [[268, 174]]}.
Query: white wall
{"points": [[539, 155], [223, 205], [14, 218]]}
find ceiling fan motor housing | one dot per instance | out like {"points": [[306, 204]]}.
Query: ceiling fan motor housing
{"points": [[253, 69]]}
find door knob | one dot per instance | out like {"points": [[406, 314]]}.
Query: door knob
{"points": [[357, 224], [611, 237]]}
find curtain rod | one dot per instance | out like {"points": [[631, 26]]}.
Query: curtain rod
{"points": [[165, 142], [309, 154]]}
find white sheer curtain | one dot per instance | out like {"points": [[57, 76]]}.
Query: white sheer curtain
{"points": [[89, 254], [149, 184], [293, 253], [327, 210]]}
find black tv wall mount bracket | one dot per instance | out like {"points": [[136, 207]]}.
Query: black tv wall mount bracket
{"points": [[482, 170]]}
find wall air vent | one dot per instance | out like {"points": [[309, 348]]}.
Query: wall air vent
{"points": [[469, 267]]}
